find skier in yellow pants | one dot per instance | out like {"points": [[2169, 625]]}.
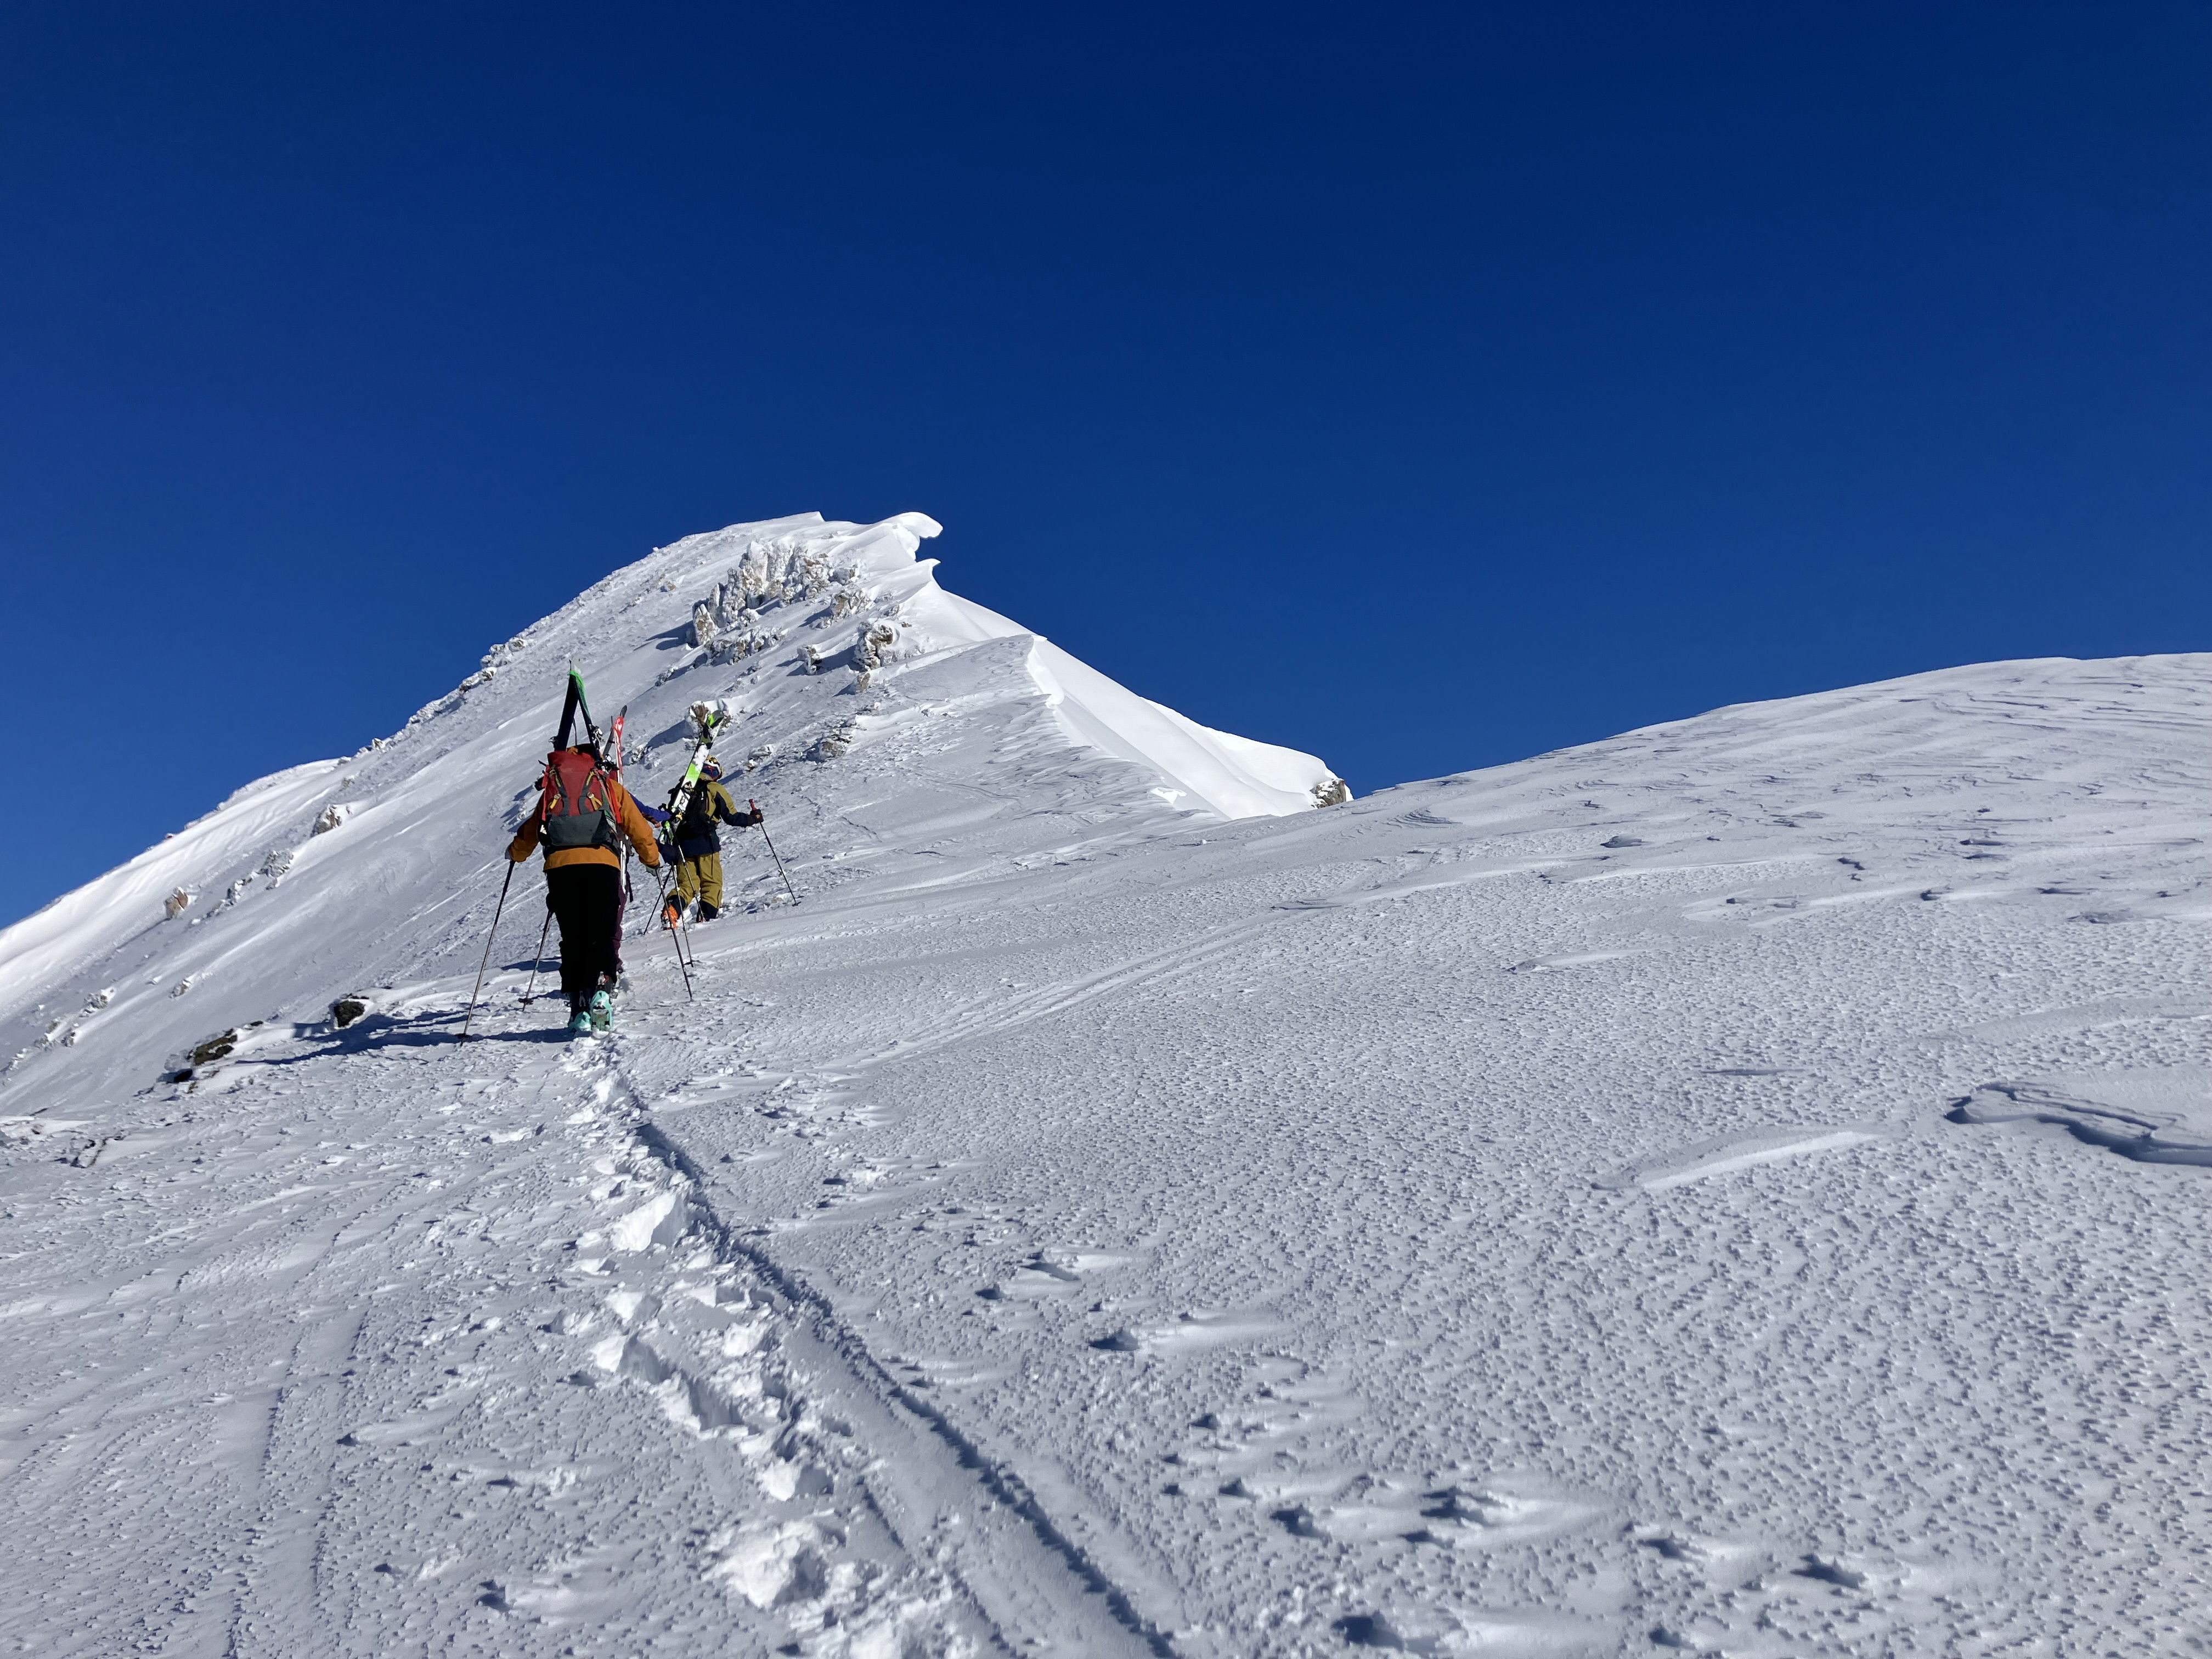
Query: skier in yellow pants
{"points": [[699, 845]]}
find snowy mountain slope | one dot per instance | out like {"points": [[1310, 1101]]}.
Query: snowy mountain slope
{"points": [[401, 877], [100, 918], [1659, 1195]]}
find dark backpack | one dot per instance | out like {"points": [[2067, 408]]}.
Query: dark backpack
{"points": [[698, 820], [578, 806]]}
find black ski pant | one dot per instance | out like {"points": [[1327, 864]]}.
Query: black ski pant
{"points": [[587, 900]]}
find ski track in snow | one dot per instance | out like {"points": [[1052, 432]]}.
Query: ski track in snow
{"points": [[1660, 1196]]}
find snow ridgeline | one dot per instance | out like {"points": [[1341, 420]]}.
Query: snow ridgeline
{"points": [[901, 616], [828, 641]]}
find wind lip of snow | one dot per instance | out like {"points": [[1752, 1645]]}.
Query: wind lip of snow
{"points": [[875, 549], [1236, 777], [1247, 780]]}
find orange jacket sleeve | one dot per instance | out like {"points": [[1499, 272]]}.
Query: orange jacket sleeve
{"points": [[526, 839], [633, 825]]}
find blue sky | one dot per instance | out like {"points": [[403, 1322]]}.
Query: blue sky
{"points": [[1423, 386]]}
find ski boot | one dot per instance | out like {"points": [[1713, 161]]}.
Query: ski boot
{"points": [[601, 1013], [707, 912], [672, 914], [580, 1022]]}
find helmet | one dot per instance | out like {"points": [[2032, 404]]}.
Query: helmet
{"points": [[713, 768]]}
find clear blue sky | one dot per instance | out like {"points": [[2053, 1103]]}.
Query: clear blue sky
{"points": [[1422, 386]]}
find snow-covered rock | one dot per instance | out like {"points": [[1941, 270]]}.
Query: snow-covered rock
{"points": [[1661, 1194]]}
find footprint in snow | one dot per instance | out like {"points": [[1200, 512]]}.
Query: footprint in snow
{"points": [[1469, 1514], [1263, 1450], [1052, 1273], [1713, 1558], [1188, 1332]]}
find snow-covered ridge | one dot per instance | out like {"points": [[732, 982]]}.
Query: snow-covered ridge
{"points": [[835, 649], [912, 619], [1733, 1188]]}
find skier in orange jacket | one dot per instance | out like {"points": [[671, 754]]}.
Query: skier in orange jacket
{"points": [[582, 810]]}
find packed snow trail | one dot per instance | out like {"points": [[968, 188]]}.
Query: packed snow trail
{"points": [[412, 1341], [1733, 1188]]}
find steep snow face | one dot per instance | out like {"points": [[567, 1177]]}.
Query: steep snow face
{"points": [[1739, 1186], [858, 687]]}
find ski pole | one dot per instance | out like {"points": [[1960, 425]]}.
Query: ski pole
{"points": [[621, 911], [489, 937], [683, 960], [772, 853], [539, 957], [681, 967], [676, 937]]}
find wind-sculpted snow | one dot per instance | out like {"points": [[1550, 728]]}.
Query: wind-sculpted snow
{"points": [[2161, 1116], [1659, 1196]]}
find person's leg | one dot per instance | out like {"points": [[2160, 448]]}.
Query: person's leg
{"points": [[710, 884], [598, 915], [622, 917], [587, 899], [687, 880], [566, 894], [598, 912]]}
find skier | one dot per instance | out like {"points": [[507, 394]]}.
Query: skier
{"points": [[580, 810], [699, 844]]}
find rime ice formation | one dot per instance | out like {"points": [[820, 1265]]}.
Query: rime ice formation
{"points": [[1735, 1187]]}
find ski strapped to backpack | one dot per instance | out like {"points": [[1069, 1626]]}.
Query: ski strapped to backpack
{"points": [[575, 806], [573, 705], [711, 722]]}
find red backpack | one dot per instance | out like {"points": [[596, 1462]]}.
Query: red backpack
{"points": [[578, 809]]}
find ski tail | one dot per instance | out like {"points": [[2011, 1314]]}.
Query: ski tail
{"points": [[568, 710], [572, 706]]}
